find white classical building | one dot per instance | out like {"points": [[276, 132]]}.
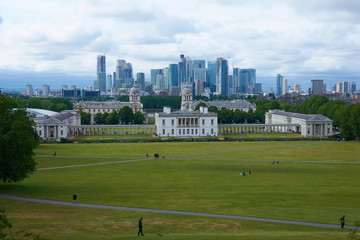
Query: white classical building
{"points": [[184, 123], [242, 105], [94, 107], [52, 125], [310, 125]]}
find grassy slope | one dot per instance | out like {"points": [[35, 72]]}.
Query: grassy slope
{"points": [[294, 191]]}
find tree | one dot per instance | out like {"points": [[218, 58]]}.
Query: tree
{"points": [[225, 116], [98, 118], [139, 118], [126, 115], [113, 118], [85, 118], [355, 119], [200, 104], [213, 109], [4, 223], [17, 142]]}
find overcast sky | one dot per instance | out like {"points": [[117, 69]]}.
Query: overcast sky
{"points": [[301, 40]]}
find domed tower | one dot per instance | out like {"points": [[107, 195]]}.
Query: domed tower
{"points": [[187, 99], [134, 99]]}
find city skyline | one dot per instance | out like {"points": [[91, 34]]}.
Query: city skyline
{"points": [[41, 44]]}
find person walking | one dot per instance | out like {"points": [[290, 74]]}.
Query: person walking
{"points": [[140, 227], [54, 154], [342, 220], [75, 198]]}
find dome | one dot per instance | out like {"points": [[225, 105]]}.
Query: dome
{"points": [[135, 90], [187, 90]]}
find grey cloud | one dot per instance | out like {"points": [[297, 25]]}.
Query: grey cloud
{"points": [[1, 19]]}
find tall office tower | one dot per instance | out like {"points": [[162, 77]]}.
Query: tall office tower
{"points": [[101, 73], [166, 77], [339, 88], [285, 88], [230, 85], [73, 87], [221, 76], [160, 81], [279, 84], [353, 87], [189, 70], [174, 91], [153, 75], [173, 75], [258, 88], [128, 74], [297, 88], [108, 81], [140, 80], [236, 80], [199, 87], [317, 87], [182, 70], [199, 70], [45, 90], [114, 78], [119, 79], [346, 87], [247, 80], [29, 90], [211, 75]]}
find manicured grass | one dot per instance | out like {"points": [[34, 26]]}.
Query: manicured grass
{"points": [[263, 135], [314, 192]]}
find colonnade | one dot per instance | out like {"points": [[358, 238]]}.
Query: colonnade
{"points": [[111, 129], [256, 128]]}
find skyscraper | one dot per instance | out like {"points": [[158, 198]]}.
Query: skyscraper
{"points": [[353, 87], [182, 70], [199, 87], [101, 73], [346, 87], [199, 70], [45, 90], [279, 84], [247, 80], [221, 76], [119, 79], [108, 81], [211, 75], [140, 80], [285, 88], [153, 75], [29, 90], [173, 75], [317, 87]]}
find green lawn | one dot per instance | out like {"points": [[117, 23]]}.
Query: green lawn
{"points": [[107, 137], [263, 135], [313, 192]]}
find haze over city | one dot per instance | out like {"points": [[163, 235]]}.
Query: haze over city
{"points": [[57, 42]]}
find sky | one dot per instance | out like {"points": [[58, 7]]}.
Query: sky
{"points": [[56, 42]]}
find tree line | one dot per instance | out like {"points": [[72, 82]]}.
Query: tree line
{"points": [[124, 116], [53, 104]]}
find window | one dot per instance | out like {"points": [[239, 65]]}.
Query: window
{"points": [[188, 131], [179, 131], [212, 131], [203, 121], [184, 131], [163, 122], [172, 122], [212, 121], [61, 132], [203, 131], [192, 131], [163, 131], [172, 131], [39, 132], [196, 131]]}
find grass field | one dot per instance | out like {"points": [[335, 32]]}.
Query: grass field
{"points": [[313, 182]]}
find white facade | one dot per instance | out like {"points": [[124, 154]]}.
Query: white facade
{"points": [[94, 107], [242, 105], [55, 127], [186, 124], [310, 125]]}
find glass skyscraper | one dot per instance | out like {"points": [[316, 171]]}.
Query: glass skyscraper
{"points": [[173, 75], [211, 75], [100, 84], [221, 76]]}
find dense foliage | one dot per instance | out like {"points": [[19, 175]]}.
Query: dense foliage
{"points": [[124, 116], [53, 104], [157, 102], [17, 141]]}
